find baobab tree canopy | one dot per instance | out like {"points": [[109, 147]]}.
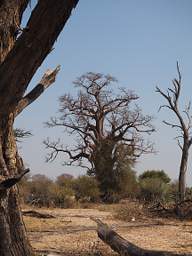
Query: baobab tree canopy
{"points": [[105, 121]]}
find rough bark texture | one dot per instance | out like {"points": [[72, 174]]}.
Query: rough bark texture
{"points": [[19, 61], [10, 18], [29, 51], [124, 247], [12, 234]]}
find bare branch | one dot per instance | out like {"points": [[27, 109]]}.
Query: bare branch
{"points": [[47, 80], [57, 148], [172, 125], [49, 17], [101, 121], [184, 124]]}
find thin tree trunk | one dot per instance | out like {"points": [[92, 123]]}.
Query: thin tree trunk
{"points": [[182, 174]]}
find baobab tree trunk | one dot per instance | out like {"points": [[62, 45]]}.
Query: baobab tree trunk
{"points": [[104, 164], [19, 60]]}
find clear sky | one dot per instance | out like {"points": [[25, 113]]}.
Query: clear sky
{"points": [[138, 42]]}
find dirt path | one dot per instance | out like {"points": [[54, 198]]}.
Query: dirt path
{"points": [[72, 232]]}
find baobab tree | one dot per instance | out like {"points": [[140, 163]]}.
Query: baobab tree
{"points": [[22, 51], [105, 125], [184, 126]]}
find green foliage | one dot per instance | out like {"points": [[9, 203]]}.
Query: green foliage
{"points": [[86, 188], [153, 189], [64, 192], [62, 197], [154, 185], [119, 181], [159, 174], [39, 187]]}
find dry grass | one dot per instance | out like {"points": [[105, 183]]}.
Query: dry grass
{"points": [[73, 233], [130, 211]]}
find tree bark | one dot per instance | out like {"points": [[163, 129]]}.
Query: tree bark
{"points": [[19, 61], [124, 247], [10, 18], [182, 173], [13, 237]]}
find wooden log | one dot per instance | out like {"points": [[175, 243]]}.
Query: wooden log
{"points": [[36, 214], [124, 247]]}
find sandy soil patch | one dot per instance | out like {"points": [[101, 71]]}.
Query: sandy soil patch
{"points": [[72, 232]]}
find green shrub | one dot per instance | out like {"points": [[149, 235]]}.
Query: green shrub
{"points": [[154, 186], [63, 197], [153, 189], [86, 189], [159, 174]]}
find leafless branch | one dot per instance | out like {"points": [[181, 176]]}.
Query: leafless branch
{"points": [[99, 119], [47, 80]]}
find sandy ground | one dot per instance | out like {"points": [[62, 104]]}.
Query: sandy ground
{"points": [[72, 232]]}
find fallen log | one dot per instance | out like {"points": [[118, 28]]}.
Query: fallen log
{"points": [[124, 247], [36, 214]]}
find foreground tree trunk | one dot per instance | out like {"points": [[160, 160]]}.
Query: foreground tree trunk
{"points": [[12, 233], [16, 71], [124, 247]]}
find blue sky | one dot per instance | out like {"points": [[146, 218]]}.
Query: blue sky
{"points": [[138, 42]]}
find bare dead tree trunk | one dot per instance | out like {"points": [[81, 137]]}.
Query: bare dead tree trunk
{"points": [[182, 173], [184, 125], [19, 61]]}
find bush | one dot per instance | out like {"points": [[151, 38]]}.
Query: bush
{"points": [[153, 189], [130, 211], [154, 186], [63, 197], [86, 189], [65, 180], [159, 174], [39, 187]]}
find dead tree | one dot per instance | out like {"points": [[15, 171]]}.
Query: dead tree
{"points": [[22, 51], [105, 125], [124, 247], [184, 126]]}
